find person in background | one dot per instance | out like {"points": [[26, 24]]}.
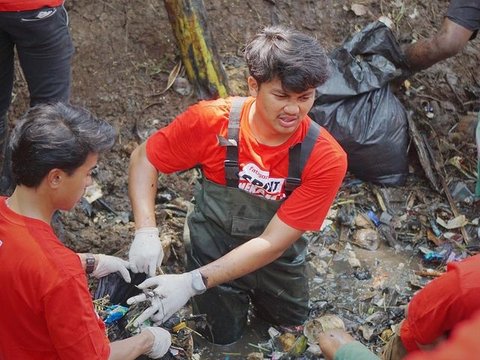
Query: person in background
{"points": [[444, 305], [269, 174], [38, 30], [460, 25], [46, 311]]}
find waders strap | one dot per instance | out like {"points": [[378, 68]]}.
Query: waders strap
{"points": [[231, 162], [298, 156]]}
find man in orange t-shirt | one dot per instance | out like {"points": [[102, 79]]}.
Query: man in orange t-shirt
{"points": [[462, 344], [441, 305], [269, 174], [46, 311], [439, 313]]}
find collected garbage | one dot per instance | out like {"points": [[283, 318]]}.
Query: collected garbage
{"points": [[359, 109], [111, 295]]}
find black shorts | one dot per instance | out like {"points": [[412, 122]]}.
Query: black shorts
{"points": [[465, 13]]}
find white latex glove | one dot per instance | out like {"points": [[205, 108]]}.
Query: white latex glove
{"points": [[146, 252], [171, 292], [109, 264], [161, 344]]}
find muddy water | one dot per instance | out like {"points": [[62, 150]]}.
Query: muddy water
{"points": [[336, 287]]}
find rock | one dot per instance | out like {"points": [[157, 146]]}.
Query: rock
{"points": [[366, 239]]}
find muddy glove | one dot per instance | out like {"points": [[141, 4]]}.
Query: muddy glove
{"points": [[109, 264], [170, 293], [161, 344], [146, 252]]}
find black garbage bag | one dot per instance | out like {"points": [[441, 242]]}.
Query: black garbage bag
{"points": [[357, 106], [117, 289], [118, 292]]}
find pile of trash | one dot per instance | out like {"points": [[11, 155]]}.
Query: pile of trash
{"points": [[111, 295]]}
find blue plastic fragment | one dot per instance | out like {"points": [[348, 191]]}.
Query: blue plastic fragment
{"points": [[374, 218], [435, 228], [115, 313], [434, 256]]}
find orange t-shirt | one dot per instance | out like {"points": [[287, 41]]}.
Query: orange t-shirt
{"points": [[46, 310], [462, 344], [191, 140], [25, 5], [443, 303]]}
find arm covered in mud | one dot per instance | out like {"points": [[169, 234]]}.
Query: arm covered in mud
{"points": [[146, 252], [173, 291], [460, 24], [449, 41]]}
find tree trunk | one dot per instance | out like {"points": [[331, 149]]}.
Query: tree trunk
{"points": [[199, 55]]}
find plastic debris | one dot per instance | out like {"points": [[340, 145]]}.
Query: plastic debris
{"points": [[314, 327], [455, 223], [362, 274], [93, 192], [461, 193], [115, 313], [374, 218], [435, 228]]}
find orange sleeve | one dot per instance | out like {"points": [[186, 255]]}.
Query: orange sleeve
{"points": [[442, 304], [190, 139], [22, 5], [308, 205], [462, 344]]}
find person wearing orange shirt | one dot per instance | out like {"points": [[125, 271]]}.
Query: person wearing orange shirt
{"points": [[434, 314], [269, 174], [462, 343], [46, 310]]}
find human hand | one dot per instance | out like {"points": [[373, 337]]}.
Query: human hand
{"points": [[146, 252], [161, 343], [109, 264], [170, 293], [331, 340]]}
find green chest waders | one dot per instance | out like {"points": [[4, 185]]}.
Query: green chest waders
{"points": [[225, 217]]}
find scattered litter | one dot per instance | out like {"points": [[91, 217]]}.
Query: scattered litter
{"points": [[366, 239], [314, 327], [93, 192], [455, 223], [115, 313]]}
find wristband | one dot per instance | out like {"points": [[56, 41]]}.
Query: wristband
{"points": [[90, 263]]}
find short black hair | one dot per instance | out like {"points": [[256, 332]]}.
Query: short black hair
{"points": [[59, 136], [295, 58]]}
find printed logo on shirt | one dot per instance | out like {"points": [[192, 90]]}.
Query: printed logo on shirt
{"points": [[1, 242], [258, 182]]}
